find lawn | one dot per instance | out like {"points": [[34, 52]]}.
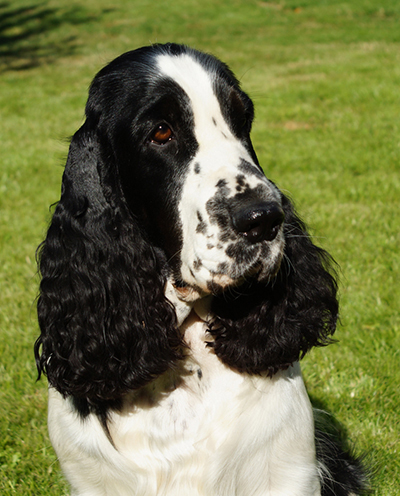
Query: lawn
{"points": [[325, 79]]}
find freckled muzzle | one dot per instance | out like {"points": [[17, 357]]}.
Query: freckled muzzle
{"points": [[239, 236]]}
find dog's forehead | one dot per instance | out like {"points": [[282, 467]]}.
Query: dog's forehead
{"points": [[189, 73], [199, 83]]}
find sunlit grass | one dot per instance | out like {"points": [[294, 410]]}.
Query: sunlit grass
{"points": [[325, 79]]}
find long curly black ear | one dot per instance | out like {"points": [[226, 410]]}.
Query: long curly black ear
{"points": [[266, 327], [106, 326]]}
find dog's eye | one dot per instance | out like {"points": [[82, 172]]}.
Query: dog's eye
{"points": [[162, 134]]}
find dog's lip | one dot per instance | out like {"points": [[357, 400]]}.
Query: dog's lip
{"points": [[250, 272], [216, 282]]}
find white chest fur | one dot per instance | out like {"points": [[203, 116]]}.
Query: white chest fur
{"points": [[202, 430]]}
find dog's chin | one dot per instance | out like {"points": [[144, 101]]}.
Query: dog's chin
{"points": [[218, 283]]}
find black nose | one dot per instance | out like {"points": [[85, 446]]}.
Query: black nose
{"points": [[258, 222]]}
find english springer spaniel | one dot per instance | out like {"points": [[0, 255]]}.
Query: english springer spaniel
{"points": [[179, 292]]}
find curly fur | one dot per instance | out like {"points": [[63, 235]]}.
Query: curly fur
{"points": [[107, 326]]}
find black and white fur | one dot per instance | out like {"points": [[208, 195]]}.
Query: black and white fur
{"points": [[179, 291]]}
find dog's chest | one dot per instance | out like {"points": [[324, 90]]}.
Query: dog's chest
{"points": [[213, 429], [185, 407], [203, 430], [172, 429]]}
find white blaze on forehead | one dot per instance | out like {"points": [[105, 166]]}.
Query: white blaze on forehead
{"points": [[219, 152], [218, 157], [197, 83]]}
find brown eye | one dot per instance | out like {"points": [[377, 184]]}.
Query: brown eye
{"points": [[162, 134]]}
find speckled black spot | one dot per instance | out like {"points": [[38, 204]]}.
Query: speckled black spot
{"points": [[221, 184], [241, 184], [197, 264], [201, 226], [197, 168], [223, 268], [199, 374], [241, 179]]}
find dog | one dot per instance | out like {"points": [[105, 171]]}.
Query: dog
{"points": [[179, 291]]}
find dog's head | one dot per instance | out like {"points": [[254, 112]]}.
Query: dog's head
{"points": [[162, 184], [177, 127]]}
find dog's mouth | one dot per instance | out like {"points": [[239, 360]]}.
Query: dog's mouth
{"points": [[229, 275], [219, 282]]}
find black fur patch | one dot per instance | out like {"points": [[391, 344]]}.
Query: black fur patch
{"points": [[249, 169], [201, 226], [197, 264]]}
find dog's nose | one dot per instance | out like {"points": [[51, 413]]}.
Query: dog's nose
{"points": [[258, 222]]}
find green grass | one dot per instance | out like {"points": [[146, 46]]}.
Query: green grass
{"points": [[325, 78]]}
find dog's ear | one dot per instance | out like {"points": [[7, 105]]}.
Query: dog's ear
{"points": [[106, 326], [267, 327]]}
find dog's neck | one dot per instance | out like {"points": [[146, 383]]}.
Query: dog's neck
{"points": [[187, 299]]}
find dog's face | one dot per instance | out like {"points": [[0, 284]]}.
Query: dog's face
{"points": [[188, 168]]}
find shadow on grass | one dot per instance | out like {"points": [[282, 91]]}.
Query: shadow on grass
{"points": [[327, 420], [332, 434], [35, 34]]}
